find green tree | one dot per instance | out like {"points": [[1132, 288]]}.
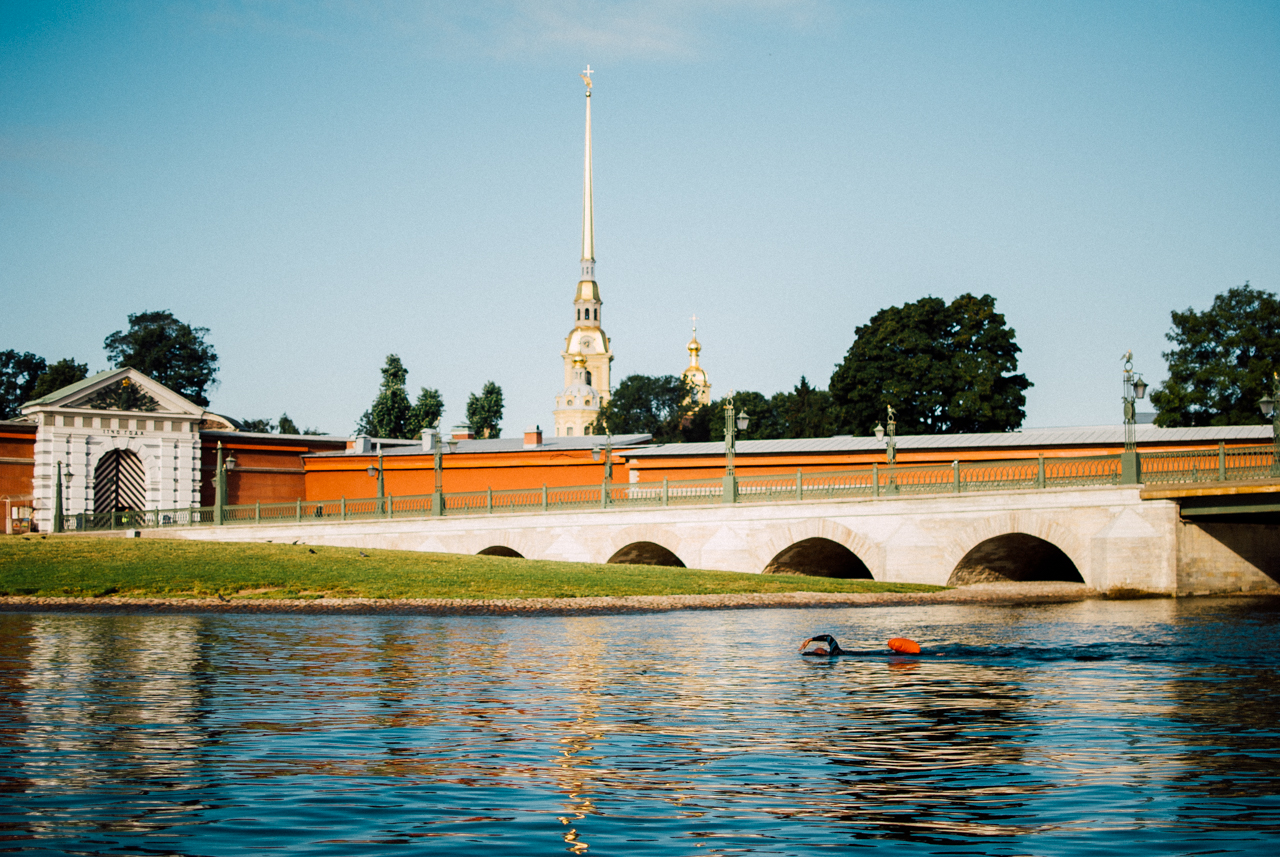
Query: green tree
{"points": [[388, 416], [61, 374], [1222, 361], [167, 350], [943, 367], [263, 426], [287, 426], [484, 412], [806, 412], [19, 373], [427, 410], [644, 404]]}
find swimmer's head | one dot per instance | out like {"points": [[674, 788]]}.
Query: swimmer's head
{"points": [[822, 645]]}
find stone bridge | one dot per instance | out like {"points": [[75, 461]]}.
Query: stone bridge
{"points": [[1106, 537]]}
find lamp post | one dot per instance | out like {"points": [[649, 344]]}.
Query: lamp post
{"points": [[219, 485], [376, 470], [437, 499], [1134, 388], [1268, 406], [605, 497], [729, 494], [890, 446], [69, 477], [57, 501]]}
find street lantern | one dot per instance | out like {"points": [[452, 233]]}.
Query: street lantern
{"points": [[729, 491], [607, 453], [437, 448], [1268, 406], [743, 419], [890, 439], [1134, 388], [376, 470]]}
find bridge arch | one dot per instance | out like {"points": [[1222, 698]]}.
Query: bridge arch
{"points": [[1017, 557], [818, 557], [645, 553], [1048, 525], [501, 550], [778, 541]]}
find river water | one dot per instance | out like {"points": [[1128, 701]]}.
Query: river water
{"points": [[1149, 727]]}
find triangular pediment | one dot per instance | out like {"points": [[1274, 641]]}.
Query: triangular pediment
{"points": [[125, 390]]}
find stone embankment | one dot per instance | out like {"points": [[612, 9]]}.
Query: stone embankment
{"points": [[981, 593]]}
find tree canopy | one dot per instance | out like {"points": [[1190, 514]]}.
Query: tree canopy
{"points": [[285, 425], [264, 426], [943, 367], [388, 416], [427, 411], [484, 412], [391, 415], [662, 406], [167, 350], [61, 374], [644, 404], [1221, 362], [19, 373]]}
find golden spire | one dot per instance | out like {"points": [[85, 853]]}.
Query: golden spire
{"points": [[588, 219], [694, 346]]}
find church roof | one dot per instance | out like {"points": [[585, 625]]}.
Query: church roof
{"points": [[81, 393], [71, 389]]}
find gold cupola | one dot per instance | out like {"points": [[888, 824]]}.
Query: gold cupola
{"points": [[695, 375]]}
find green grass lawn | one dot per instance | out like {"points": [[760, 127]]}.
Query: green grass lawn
{"points": [[94, 567]]}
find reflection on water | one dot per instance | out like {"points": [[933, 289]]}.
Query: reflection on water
{"points": [[1083, 728]]}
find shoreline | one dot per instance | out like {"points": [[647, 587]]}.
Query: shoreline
{"points": [[986, 594]]}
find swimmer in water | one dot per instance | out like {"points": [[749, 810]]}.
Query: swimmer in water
{"points": [[826, 646]]}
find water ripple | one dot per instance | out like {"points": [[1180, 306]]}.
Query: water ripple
{"points": [[1065, 729]]}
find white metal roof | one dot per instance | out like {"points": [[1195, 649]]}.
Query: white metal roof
{"points": [[1077, 436]]}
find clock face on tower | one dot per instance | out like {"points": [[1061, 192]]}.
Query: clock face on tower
{"points": [[585, 343]]}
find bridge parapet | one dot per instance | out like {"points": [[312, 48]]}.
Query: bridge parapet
{"points": [[856, 483]]}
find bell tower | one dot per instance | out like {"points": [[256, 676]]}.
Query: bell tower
{"points": [[586, 353]]}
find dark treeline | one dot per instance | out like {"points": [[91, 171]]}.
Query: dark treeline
{"points": [[941, 367]]}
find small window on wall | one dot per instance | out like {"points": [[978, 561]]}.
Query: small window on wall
{"points": [[568, 431], [579, 315], [597, 313], [588, 377]]}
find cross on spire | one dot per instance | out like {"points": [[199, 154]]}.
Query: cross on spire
{"points": [[695, 324], [586, 76]]}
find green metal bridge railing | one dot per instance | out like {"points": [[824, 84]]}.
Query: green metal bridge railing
{"points": [[958, 477]]}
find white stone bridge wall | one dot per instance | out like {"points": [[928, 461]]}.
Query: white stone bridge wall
{"points": [[1111, 536]]}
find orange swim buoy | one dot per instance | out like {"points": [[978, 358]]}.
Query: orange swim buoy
{"points": [[904, 646]]}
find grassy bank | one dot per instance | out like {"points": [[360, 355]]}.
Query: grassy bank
{"points": [[93, 567]]}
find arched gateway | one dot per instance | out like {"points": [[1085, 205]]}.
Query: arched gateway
{"points": [[120, 442], [119, 483]]}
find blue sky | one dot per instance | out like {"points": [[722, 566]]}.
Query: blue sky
{"points": [[324, 183]]}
